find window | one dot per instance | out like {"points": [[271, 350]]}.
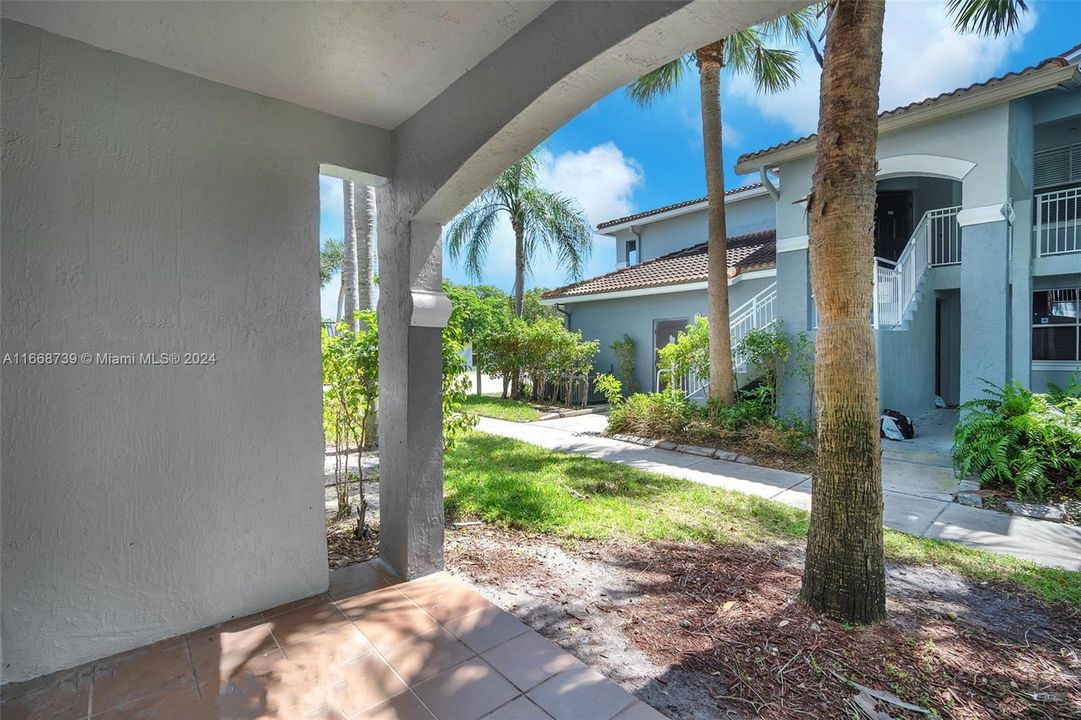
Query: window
{"points": [[1056, 325], [632, 252]]}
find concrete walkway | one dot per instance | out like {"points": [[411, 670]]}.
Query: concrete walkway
{"points": [[917, 494]]}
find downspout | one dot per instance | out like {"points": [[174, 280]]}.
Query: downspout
{"points": [[763, 176], [637, 243]]}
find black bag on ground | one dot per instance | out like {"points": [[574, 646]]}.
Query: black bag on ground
{"points": [[892, 422]]}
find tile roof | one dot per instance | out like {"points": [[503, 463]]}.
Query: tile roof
{"points": [[674, 206], [1058, 62], [745, 252]]}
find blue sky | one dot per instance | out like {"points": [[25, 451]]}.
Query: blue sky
{"points": [[617, 158]]}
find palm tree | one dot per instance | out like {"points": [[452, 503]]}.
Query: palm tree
{"points": [[331, 257], [539, 218], [350, 279], [844, 572], [366, 248], [771, 69]]}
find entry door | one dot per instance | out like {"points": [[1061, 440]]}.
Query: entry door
{"points": [[893, 223], [948, 347], [664, 332]]}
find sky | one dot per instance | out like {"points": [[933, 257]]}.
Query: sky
{"points": [[616, 158]]}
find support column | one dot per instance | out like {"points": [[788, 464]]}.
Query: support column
{"points": [[985, 297], [412, 313]]}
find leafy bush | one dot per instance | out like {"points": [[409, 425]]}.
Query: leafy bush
{"points": [[689, 353], [624, 352], [1024, 442], [544, 351], [654, 415], [609, 387]]}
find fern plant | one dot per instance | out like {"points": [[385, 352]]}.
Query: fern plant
{"points": [[1025, 442]]}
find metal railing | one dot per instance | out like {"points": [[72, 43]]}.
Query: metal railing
{"points": [[935, 241], [1058, 222], [758, 312]]}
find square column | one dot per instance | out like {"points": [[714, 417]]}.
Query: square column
{"points": [[985, 298], [412, 314]]}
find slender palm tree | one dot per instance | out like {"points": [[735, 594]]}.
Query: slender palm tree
{"points": [[539, 218], [844, 572], [350, 278], [771, 69], [366, 248]]}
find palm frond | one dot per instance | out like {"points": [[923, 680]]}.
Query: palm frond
{"points": [[793, 26], [471, 232], [771, 69], [555, 222], [656, 83], [986, 17], [331, 259]]}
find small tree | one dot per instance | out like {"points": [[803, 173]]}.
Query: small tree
{"points": [[624, 352], [689, 354]]}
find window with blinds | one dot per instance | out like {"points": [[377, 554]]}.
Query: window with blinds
{"points": [[1058, 166], [1056, 325]]}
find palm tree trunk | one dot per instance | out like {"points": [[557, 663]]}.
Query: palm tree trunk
{"points": [[721, 380], [341, 297], [349, 263], [366, 248], [519, 269], [844, 574]]}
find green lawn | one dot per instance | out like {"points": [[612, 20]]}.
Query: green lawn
{"points": [[501, 409], [515, 484]]}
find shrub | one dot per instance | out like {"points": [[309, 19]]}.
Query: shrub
{"points": [[609, 387], [689, 353], [654, 415], [624, 352], [544, 351], [1024, 442]]}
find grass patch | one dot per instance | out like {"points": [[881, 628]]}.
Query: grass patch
{"points": [[501, 408], [515, 484]]}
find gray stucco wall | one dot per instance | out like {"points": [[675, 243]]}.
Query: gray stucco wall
{"points": [[145, 210], [608, 320], [661, 237]]}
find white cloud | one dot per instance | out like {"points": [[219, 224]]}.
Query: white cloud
{"points": [[922, 56], [602, 180]]}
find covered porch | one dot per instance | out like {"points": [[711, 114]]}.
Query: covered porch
{"points": [[160, 176]]}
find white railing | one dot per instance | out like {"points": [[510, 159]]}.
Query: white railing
{"points": [[1058, 222], [758, 312], [935, 241]]}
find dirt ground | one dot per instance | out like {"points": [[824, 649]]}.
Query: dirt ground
{"points": [[705, 631]]}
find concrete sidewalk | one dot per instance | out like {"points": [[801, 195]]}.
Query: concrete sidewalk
{"points": [[917, 495]]}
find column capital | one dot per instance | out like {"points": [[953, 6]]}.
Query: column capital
{"points": [[430, 309]]}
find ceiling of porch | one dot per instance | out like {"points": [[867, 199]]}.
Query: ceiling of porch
{"points": [[372, 62]]}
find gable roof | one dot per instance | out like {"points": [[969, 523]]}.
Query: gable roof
{"points": [[1035, 78], [689, 265], [675, 206]]}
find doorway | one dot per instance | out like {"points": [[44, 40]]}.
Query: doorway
{"points": [[948, 346], [664, 332], [893, 223]]}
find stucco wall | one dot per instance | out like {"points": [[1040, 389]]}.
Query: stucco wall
{"points": [[145, 210], [608, 320], [742, 216]]}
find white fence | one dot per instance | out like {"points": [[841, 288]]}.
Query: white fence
{"points": [[1058, 222]]}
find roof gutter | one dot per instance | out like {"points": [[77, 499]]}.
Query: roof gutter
{"points": [[763, 174], [975, 100], [613, 229]]}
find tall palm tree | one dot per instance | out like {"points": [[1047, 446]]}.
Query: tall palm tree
{"points": [[844, 572], [331, 258], [539, 218], [350, 278], [366, 248], [771, 69]]}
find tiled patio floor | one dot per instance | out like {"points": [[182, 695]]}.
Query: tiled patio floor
{"points": [[371, 648]]}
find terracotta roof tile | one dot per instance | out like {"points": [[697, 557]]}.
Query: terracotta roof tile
{"points": [[1032, 69], [745, 252], [674, 206]]}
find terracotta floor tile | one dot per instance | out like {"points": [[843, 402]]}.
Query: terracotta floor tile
{"points": [[123, 679], [301, 622], [336, 646], [280, 609], [354, 580], [581, 693], [427, 655], [530, 659], [521, 708], [178, 703], [449, 601], [373, 601], [54, 697], [64, 678], [404, 706], [466, 692], [639, 711], [484, 629], [282, 690], [225, 647], [387, 628], [360, 684]]}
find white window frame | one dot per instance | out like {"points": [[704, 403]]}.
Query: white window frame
{"points": [[1040, 363]]}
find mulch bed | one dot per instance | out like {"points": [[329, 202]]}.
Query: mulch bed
{"points": [[343, 546], [730, 613]]}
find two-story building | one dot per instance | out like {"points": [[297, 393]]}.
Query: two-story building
{"points": [[977, 242]]}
